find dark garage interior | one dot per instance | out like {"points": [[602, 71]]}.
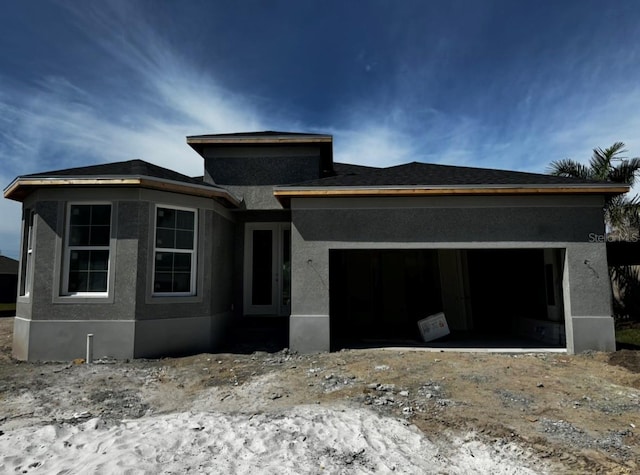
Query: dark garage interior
{"points": [[490, 297], [381, 294], [504, 282]]}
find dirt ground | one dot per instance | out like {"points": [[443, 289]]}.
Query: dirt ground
{"points": [[581, 414]]}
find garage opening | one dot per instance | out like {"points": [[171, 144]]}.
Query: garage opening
{"points": [[491, 298]]}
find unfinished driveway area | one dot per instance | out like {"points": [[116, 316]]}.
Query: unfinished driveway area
{"points": [[354, 411]]}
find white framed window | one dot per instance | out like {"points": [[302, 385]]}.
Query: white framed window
{"points": [[174, 254], [26, 258], [87, 249]]}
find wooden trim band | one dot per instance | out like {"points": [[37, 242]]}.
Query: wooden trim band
{"points": [[18, 189], [364, 192]]}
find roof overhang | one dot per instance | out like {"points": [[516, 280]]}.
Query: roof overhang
{"points": [[251, 139], [284, 194], [22, 186], [199, 142]]}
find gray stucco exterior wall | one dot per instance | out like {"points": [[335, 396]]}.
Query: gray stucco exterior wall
{"points": [[131, 322], [128, 322], [587, 299], [263, 165], [46, 300], [321, 224]]}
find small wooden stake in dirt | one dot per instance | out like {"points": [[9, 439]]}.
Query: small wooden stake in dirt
{"points": [[89, 358]]}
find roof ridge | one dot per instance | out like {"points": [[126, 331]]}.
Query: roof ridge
{"points": [[432, 174], [133, 167], [487, 169]]}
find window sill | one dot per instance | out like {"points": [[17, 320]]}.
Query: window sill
{"points": [[97, 298], [173, 298]]}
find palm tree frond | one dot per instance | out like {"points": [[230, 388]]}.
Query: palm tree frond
{"points": [[625, 172], [569, 168], [600, 163], [623, 215]]}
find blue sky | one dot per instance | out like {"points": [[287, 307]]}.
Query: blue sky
{"points": [[502, 84]]}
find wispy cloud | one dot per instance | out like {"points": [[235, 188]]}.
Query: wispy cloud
{"points": [[57, 123], [372, 144], [161, 99], [10, 215], [544, 105], [144, 94]]}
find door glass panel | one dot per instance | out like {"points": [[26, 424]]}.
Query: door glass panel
{"points": [[286, 268], [262, 279]]}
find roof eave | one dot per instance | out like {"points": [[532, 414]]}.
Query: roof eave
{"points": [[9, 191], [284, 195], [198, 143], [199, 139], [22, 186]]}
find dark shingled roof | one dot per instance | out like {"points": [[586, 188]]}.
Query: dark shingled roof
{"points": [[427, 174], [350, 169], [8, 265], [123, 169]]}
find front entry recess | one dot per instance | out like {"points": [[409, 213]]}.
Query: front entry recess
{"points": [[267, 282]]}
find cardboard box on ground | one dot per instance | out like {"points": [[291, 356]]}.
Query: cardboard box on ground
{"points": [[433, 327]]}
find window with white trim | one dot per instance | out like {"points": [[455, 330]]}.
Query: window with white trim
{"points": [[26, 261], [174, 262], [87, 250]]}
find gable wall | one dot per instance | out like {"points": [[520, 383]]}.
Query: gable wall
{"points": [[261, 165]]}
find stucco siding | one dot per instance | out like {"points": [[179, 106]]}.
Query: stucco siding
{"points": [[255, 197], [53, 326], [451, 225], [320, 225], [64, 340], [173, 336], [48, 301], [261, 165], [222, 264]]}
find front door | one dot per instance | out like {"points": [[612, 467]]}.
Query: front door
{"points": [[267, 266]]}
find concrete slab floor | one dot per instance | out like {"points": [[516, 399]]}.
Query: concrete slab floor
{"points": [[466, 343], [472, 350]]}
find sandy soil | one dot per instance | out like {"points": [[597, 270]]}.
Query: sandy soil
{"points": [[358, 411]]}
